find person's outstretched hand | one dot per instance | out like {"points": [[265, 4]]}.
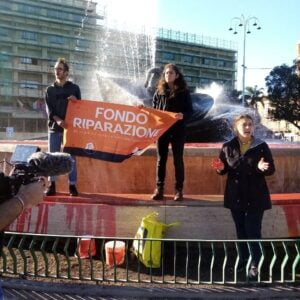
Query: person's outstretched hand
{"points": [[263, 165], [217, 164]]}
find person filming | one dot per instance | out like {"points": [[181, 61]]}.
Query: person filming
{"points": [[28, 196]]}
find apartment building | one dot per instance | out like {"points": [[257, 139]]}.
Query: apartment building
{"points": [[34, 33], [203, 60]]}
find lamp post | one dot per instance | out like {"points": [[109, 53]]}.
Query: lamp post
{"points": [[246, 23]]}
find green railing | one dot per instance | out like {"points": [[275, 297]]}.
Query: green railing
{"points": [[182, 261]]}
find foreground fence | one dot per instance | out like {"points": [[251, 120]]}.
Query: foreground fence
{"points": [[181, 261]]}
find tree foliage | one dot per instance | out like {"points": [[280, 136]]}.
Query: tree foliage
{"points": [[254, 95], [283, 87], [234, 97]]}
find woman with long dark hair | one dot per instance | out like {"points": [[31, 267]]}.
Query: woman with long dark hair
{"points": [[172, 95]]}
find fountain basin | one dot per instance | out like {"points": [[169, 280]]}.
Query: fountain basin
{"points": [[114, 197]]}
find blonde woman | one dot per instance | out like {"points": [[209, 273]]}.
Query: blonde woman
{"points": [[246, 160]]}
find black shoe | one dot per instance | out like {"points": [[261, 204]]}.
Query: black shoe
{"points": [[158, 194], [178, 195], [73, 190], [51, 190]]}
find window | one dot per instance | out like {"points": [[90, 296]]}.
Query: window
{"points": [[29, 84], [5, 5], [209, 73], [55, 39], [51, 63], [228, 64], [4, 32], [226, 75], [191, 72], [206, 61], [187, 59], [77, 18], [220, 63], [204, 81], [29, 35], [168, 56], [4, 83], [29, 9], [82, 67], [4, 57], [29, 60], [82, 43], [58, 14]]}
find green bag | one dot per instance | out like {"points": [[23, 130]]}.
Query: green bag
{"points": [[149, 252]]}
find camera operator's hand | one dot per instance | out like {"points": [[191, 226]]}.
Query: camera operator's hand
{"points": [[28, 196], [32, 193]]}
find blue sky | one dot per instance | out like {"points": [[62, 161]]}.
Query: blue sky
{"points": [[274, 45]]}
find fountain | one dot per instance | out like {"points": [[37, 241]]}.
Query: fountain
{"points": [[114, 197]]}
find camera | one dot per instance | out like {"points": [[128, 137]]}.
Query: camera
{"points": [[22, 172], [29, 163]]}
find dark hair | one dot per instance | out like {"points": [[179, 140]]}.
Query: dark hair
{"points": [[63, 61], [179, 83]]}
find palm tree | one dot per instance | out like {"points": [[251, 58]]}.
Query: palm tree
{"points": [[254, 96]]}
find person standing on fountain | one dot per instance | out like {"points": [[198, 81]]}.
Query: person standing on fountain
{"points": [[247, 160], [172, 95], [57, 97]]}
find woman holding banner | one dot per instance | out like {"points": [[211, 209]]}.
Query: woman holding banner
{"points": [[172, 95]]}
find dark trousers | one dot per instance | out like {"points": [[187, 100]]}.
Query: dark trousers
{"points": [[248, 226], [177, 139]]}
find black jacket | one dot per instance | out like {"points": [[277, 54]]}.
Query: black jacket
{"points": [[180, 103], [57, 102], [246, 188]]}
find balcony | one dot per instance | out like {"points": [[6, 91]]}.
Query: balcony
{"points": [[27, 92], [28, 67]]}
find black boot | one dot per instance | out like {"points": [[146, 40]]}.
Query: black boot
{"points": [[51, 190], [178, 195], [73, 190], [158, 194]]}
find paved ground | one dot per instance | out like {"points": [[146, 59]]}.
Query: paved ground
{"points": [[31, 290]]}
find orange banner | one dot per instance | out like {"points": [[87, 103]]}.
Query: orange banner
{"points": [[112, 132]]}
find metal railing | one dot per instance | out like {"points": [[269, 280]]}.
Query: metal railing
{"points": [[181, 261], [186, 37]]}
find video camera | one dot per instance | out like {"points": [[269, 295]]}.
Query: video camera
{"points": [[28, 165]]}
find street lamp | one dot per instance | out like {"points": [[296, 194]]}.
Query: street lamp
{"points": [[246, 23]]}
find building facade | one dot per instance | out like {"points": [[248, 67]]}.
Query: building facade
{"points": [[34, 33], [202, 60]]}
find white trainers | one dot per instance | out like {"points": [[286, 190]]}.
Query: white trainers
{"points": [[253, 272]]}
